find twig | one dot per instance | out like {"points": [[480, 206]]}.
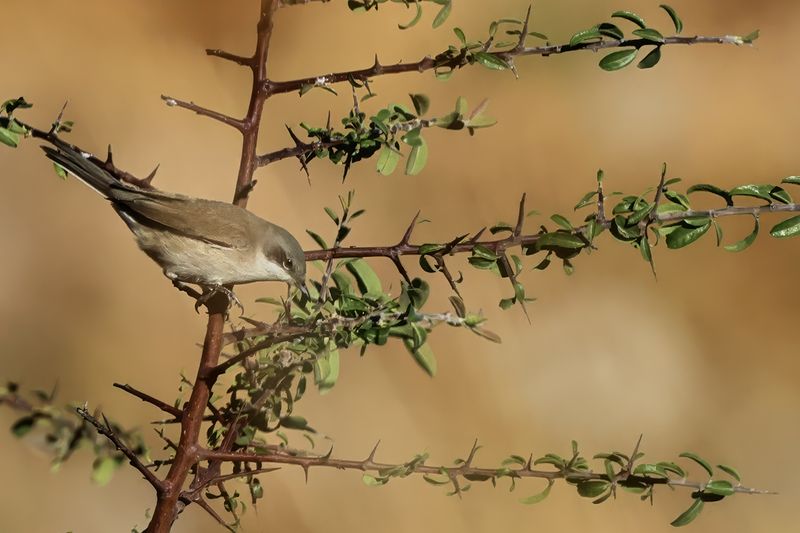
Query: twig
{"points": [[133, 459], [202, 111], [167, 408]]}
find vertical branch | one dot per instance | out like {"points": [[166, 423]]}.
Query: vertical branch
{"points": [[169, 503]]}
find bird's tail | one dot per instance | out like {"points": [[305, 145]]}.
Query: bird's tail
{"points": [[79, 166]]}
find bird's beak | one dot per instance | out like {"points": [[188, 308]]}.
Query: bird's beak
{"points": [[303, 289]]}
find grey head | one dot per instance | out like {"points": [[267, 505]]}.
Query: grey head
{"points": [[282, 251]]}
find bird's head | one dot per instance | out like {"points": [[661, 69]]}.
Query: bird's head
{"points": [[285, 260]]}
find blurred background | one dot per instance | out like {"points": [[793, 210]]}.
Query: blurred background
{"points": [[703, 359]]}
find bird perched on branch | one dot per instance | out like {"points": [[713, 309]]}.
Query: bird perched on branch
{"points": [[204, 242]]}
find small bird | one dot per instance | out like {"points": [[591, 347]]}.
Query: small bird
{"points": [[204, 242]]}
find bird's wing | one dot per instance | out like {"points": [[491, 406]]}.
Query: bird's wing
{"points": [[206, 220]]}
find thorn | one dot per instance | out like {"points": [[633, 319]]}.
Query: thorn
{"points": [[152, 175], [328, 455], [400, 268], [377, 65], [410, 230], [371, 456], [305, 471], [520, 216], [471, 456], [110, 156], [477, 236], [328, 122]]}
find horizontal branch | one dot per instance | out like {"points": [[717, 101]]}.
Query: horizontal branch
{"points": [[464, 470], [429, 63], [499, 245]]}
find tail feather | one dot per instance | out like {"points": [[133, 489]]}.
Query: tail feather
{"points": [[76, 164]]}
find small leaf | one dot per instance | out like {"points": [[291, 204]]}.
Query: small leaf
{"points": [[23, 426], [713, 189], [730, 471], [103, 470], [618, 60], [610, 30], [756, 191], [9, 138], [746, 242], [684, 235], [794, 180], [585, 35], [460, 34], [651, 59], [787, 228], [372, 481], [423, 355], [536, 498], [416, 18], [649, 34], [689, 514], [561, 221], [368, 281], [592, 488], [491, 61], [60, 171], [417, 158], [750, 37], [699, 460], [676, 20], [720, 487], [560, 240], [588, 199], [421, 103], [387, 160], [631, 16], [442, 15], [317, 239]]}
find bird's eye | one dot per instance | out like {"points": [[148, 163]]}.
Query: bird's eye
{"points": [[287, 263]]}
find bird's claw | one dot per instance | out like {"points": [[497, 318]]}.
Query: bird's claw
{"points": [[209, 293]]}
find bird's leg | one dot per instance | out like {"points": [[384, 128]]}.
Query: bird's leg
{"points": [[210, 292], [185, 288]]}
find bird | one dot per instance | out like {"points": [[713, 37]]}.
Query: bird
{"points": [[207, 243]]}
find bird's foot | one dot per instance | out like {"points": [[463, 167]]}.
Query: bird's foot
{"points": [[210, 292]]}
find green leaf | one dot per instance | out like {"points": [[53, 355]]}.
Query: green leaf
{"points": [[368, 281], [9, 138], [713, 189], [317, 239], [372, 481], [60, 171], [460, 34], [649, 34], [676, 20], [756, 191], [794, 180], [592, 488], [651, 59], [295, 422], [23, 426], [103, 470], [491, 61], [631, 16], [421, 103], [610, 30], [746, 242], [560, 240], [387, 160], [787, 228], [536, 498], [750, 37], [720, 487], [588, 199], [423, 355], [585, 35], [417, 158], [442, 15], [327, 382], [561, 221], [689, 514], [699, 460], [618, 60], [416, 18], [730, 471], [684, 235]]}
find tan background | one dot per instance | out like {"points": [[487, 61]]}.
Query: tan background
{"points": [[703, 359]]}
